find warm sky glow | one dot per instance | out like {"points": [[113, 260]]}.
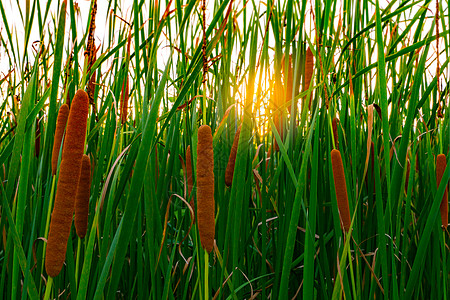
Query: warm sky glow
{"points": [[261, 112]]}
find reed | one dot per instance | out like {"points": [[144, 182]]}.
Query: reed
{"points": [[82, 197], [340, 188], [205, 188], [37, 141], [190, 180], [288, 78], [69, 174], [441, 164], [309, 68], [61, 121], [232, 159]]}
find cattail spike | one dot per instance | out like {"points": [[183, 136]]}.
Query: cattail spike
{"points": [[340, 188], [61, 121], [124, 102], [441, 164], [69, 174], [334, 124], [232, 159], [205, 188], [82, 197]]}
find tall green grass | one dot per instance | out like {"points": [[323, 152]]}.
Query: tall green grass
{"points": [[277, 228]]}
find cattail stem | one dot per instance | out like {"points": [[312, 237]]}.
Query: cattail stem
{"points": [[82, 197], [232, 159], [205, 188], [61, 121], [441, 164], [69, 174], [340, 188]]}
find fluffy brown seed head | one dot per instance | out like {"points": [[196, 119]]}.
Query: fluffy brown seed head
{"points": [[205, 187], [340, 188], [441, 164], [232, 159], [61, 121], [82, 197], [69, 174]]}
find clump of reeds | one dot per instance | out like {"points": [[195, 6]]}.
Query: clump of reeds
{"points": [[441, 164], [61, 121], [82, 197], [232, 159], [340, 188], [69, 173], [205, 187]]}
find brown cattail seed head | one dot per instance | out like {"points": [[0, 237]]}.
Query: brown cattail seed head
{"points": [[205, 188], [61, 121], [340, 188], [124, 102], [334, 124], [82, 197], [441, 164], [69, 174], [232, 159]]}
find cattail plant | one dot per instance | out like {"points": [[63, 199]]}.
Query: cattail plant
{"points": [[69, 174], [190, 181], [232, 159], [309, 65], [334, 124], [59, 132], [441, 164], [205, 187], [82, 197], [340, 188], [91, 53], [124, 102]]}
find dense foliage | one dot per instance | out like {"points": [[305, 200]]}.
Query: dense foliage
{"points": [[301, 78]]}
